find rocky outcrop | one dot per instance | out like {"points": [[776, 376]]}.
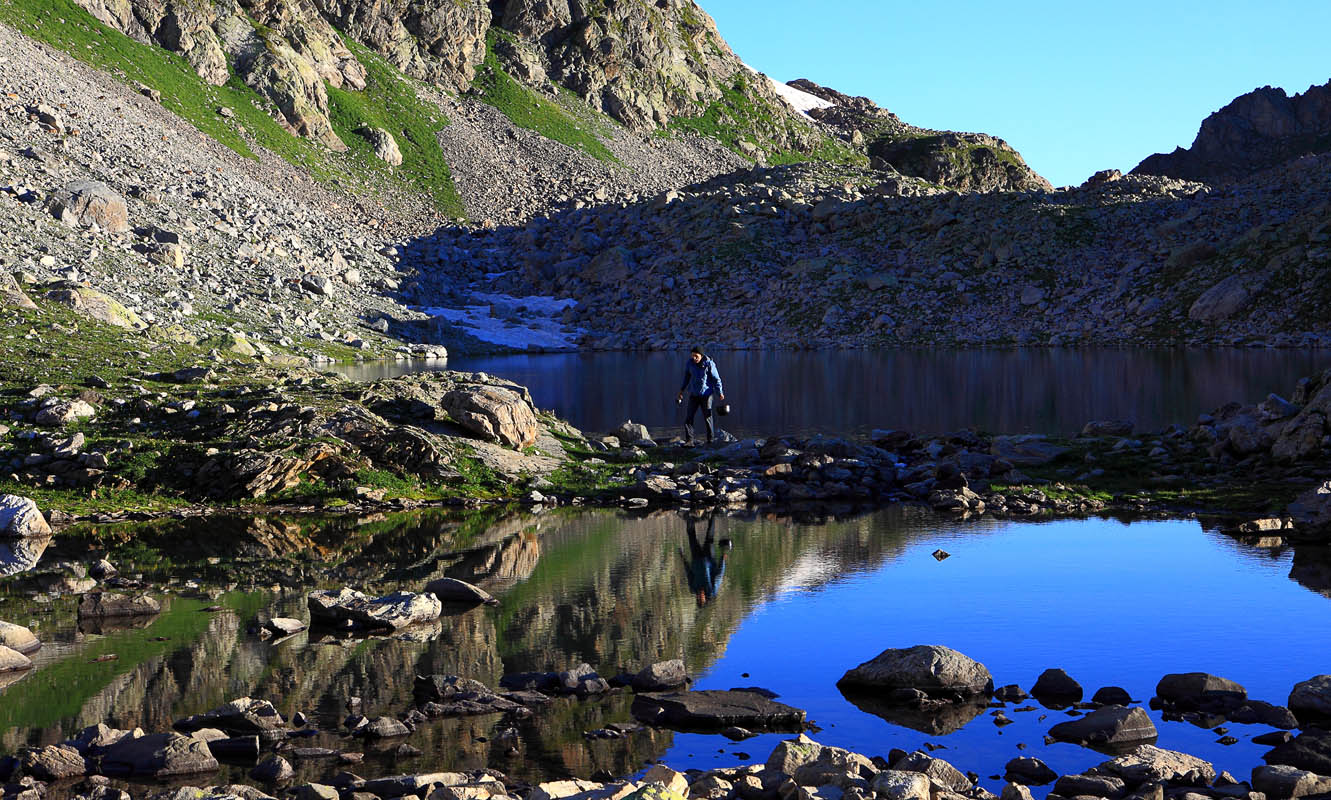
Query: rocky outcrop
{"points": [[437, 42], [1255, 131]]}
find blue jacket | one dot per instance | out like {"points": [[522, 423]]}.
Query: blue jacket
{"points": [[702, 379]]}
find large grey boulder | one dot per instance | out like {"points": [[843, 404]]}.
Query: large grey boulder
{"points": [[158, 755], [938, 770], [19, 516], [661, 676], [1148, 763], [1311, 699], [1226, 298], [83, 203], [893, 784], [494, 413], [1198, 688], [54, 762], [19, 638], [96, 306], [1110, 726], [11, 294], [932, 669], [1279, 780], [395, 611]]}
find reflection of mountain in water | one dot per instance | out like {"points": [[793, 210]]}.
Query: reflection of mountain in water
{"points": [[593, 587]]}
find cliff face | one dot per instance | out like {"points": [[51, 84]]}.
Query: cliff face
{"points": [[644, 64], [1256, 131]]}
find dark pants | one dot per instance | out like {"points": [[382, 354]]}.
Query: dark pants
{"points": [[697, 402]]}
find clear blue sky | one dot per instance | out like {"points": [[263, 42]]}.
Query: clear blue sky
{"points": [[1074, 86]]}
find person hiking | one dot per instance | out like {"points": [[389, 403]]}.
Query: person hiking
{"points": [[703, 567], [703, 383]]}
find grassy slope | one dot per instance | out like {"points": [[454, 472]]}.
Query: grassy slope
{"points": [[527, 109], [64, 25], [736, 117]]}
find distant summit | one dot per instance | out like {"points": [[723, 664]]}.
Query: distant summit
{"points": [[1256, 131]]}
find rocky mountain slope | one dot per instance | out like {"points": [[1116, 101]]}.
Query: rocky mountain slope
{"points": [[807, 256], [967, 162], [1255, 131]]}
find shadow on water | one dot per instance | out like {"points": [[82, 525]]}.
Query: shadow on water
{"points": [[1033, 390], [617, 592]]}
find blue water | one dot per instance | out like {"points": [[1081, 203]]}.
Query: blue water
{"points": [[1113, 604]]}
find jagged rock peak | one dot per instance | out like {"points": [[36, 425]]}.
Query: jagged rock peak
{"points": [[1255, 131]]}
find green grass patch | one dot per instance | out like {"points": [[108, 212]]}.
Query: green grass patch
{"points": [[527, 109], [390, 101], [738, 118]]}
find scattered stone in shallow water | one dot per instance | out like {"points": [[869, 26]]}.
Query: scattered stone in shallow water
{"points": [[715, 710], [104, 605], [1056, 688], [1108, 727]]}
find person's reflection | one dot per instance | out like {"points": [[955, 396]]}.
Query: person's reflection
{"points": [[703, 567]]}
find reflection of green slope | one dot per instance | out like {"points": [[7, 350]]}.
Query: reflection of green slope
{"points": [[57, 692]]}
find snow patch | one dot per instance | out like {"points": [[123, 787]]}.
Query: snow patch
{"points": [[799, 100], [522, 323]]}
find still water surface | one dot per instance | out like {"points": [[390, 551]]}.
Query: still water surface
{"points": [[797, 604], [1053, 391]]}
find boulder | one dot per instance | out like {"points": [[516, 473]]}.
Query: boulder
{"points": [[932, 669], [661, 676], [240, 716], [1111, 696], [1311, 513], [1110, 726], [1029, 771], [96, 306], [1311, 699], [105, 605], [382, 728], [1198, 689], [1090, 786], [18, 638], [384, 145], [395, 611], [12, 295], [716, 709], [452, 590], [938, 770], [54, 762], [667, 778], [1310, 750], [83, 203], [455, 696], [1026, 450], [631, 431], [158, 755], [1054, 686], [273, 769], [1148, 763], [1279, 780], [893, 784], [1226, 298], [20, 517], [494, 413], [63, 412]]}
